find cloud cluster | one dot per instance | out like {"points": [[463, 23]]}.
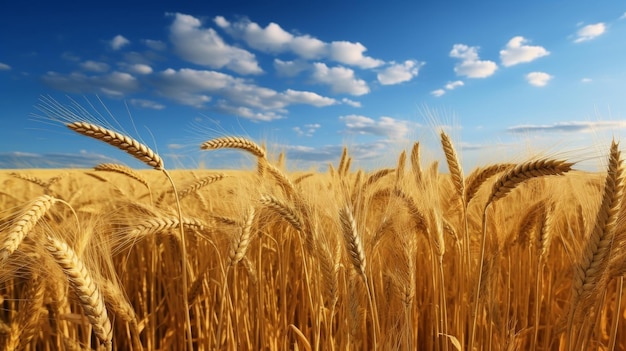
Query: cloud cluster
{"points": [[390, 128], [4, 67], [237, 96], [203, 46], [516, 52], [341, 80], [274, 39], [470, 64]]}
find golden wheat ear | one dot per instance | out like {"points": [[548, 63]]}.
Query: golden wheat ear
{"points": [[234, 143], [86, 289], [122, 142]]}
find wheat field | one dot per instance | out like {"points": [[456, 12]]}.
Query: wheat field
{"points": [[512, 256]]}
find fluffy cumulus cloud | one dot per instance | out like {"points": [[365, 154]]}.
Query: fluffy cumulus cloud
{"points": [[387, 127], [274, 39], [4, 67], [203, 46], [351, 54], [399, 72], [471, 65], [139, 68], [538, 79], [115, 84], [569, 127], [235, 96], [118, 42], [590, 32], [516, 51], [342, 80]]}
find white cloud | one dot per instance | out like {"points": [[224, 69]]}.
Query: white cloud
{"points": [[274, 39], [399, 72], [569, 127], [308, 98], [308, 130], [205, 47], [351, 102], [119, 42], [623, 16], [140, 68], [352, 54], [94, 66], [153, 105], [517, 52], [155, 44], [112, 84], [471, 66], [340, 79], [270, 39], [236, 95], [289, 68], [538, 79], [388, 127], [590, 32], [4, 67], [454, 85], [438, 92], [586, 80]]}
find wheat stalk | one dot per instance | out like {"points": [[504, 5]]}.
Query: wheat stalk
{"points": [[85, 288]]}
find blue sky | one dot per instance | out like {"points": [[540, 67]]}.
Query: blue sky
{"points": [[500, 77]]}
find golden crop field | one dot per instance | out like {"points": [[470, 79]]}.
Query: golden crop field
{"points": [[521, 256]]}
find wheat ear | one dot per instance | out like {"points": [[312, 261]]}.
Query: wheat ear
{"points": [[120, 141], [87, 291], [241, 241], [590, 271], [525, 171], [121, 169], [480, 176], [234, 143], [25, 223], [287, 213], [456, 172]]}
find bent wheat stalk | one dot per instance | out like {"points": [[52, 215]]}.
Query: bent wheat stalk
{"points": [[508, 181], [144, 154], [88, 293]]}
